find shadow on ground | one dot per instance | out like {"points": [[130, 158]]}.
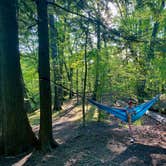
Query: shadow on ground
{"points": [[98, 144]]}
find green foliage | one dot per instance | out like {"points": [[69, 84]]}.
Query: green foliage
{"points": [[34, 118], [30, 75], [125, 54]]}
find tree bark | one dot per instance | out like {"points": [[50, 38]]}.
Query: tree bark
{"points": [[15, 132], [85, 74], [77, 85], [71, 84], [45, 133], [1, 113], [54, 54], [96, 85]]}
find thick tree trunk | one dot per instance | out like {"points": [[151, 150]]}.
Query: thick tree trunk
{"points": [[45, 133], [15, 134], [1, 114]]}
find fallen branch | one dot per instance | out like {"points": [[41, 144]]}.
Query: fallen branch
{"points": [[156, 117]]}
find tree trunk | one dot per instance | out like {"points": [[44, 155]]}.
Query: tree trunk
{"points": [[96, 85], [15, 132], [1, 113], [54, 53], [85, 74], [60, 89], [45, 133], [77, 85], [71, 84]]}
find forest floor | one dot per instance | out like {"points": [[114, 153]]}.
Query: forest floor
{"points": [[98, 144]]}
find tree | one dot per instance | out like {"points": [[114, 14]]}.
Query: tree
{"points": [[1, 113], [45, 133], [54, 55], [96, 84], [15, 132], [85, 73]]}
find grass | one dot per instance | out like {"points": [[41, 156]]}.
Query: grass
{"points": [[34, 118], [91, 115], [138, 122]]}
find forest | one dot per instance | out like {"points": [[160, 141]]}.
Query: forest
{"points": [[82, 82]]}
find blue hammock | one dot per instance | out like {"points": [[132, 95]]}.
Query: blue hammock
{"points": [[135, 112]]}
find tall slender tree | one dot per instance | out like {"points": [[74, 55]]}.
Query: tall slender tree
{"points": [[45, 133], [54, 55], [15, 132], [98, 32], [85, 73]]}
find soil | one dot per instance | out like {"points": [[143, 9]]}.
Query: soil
{"points": [[104, 143]]}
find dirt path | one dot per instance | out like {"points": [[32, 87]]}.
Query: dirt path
{"points": [[98, 144]]}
